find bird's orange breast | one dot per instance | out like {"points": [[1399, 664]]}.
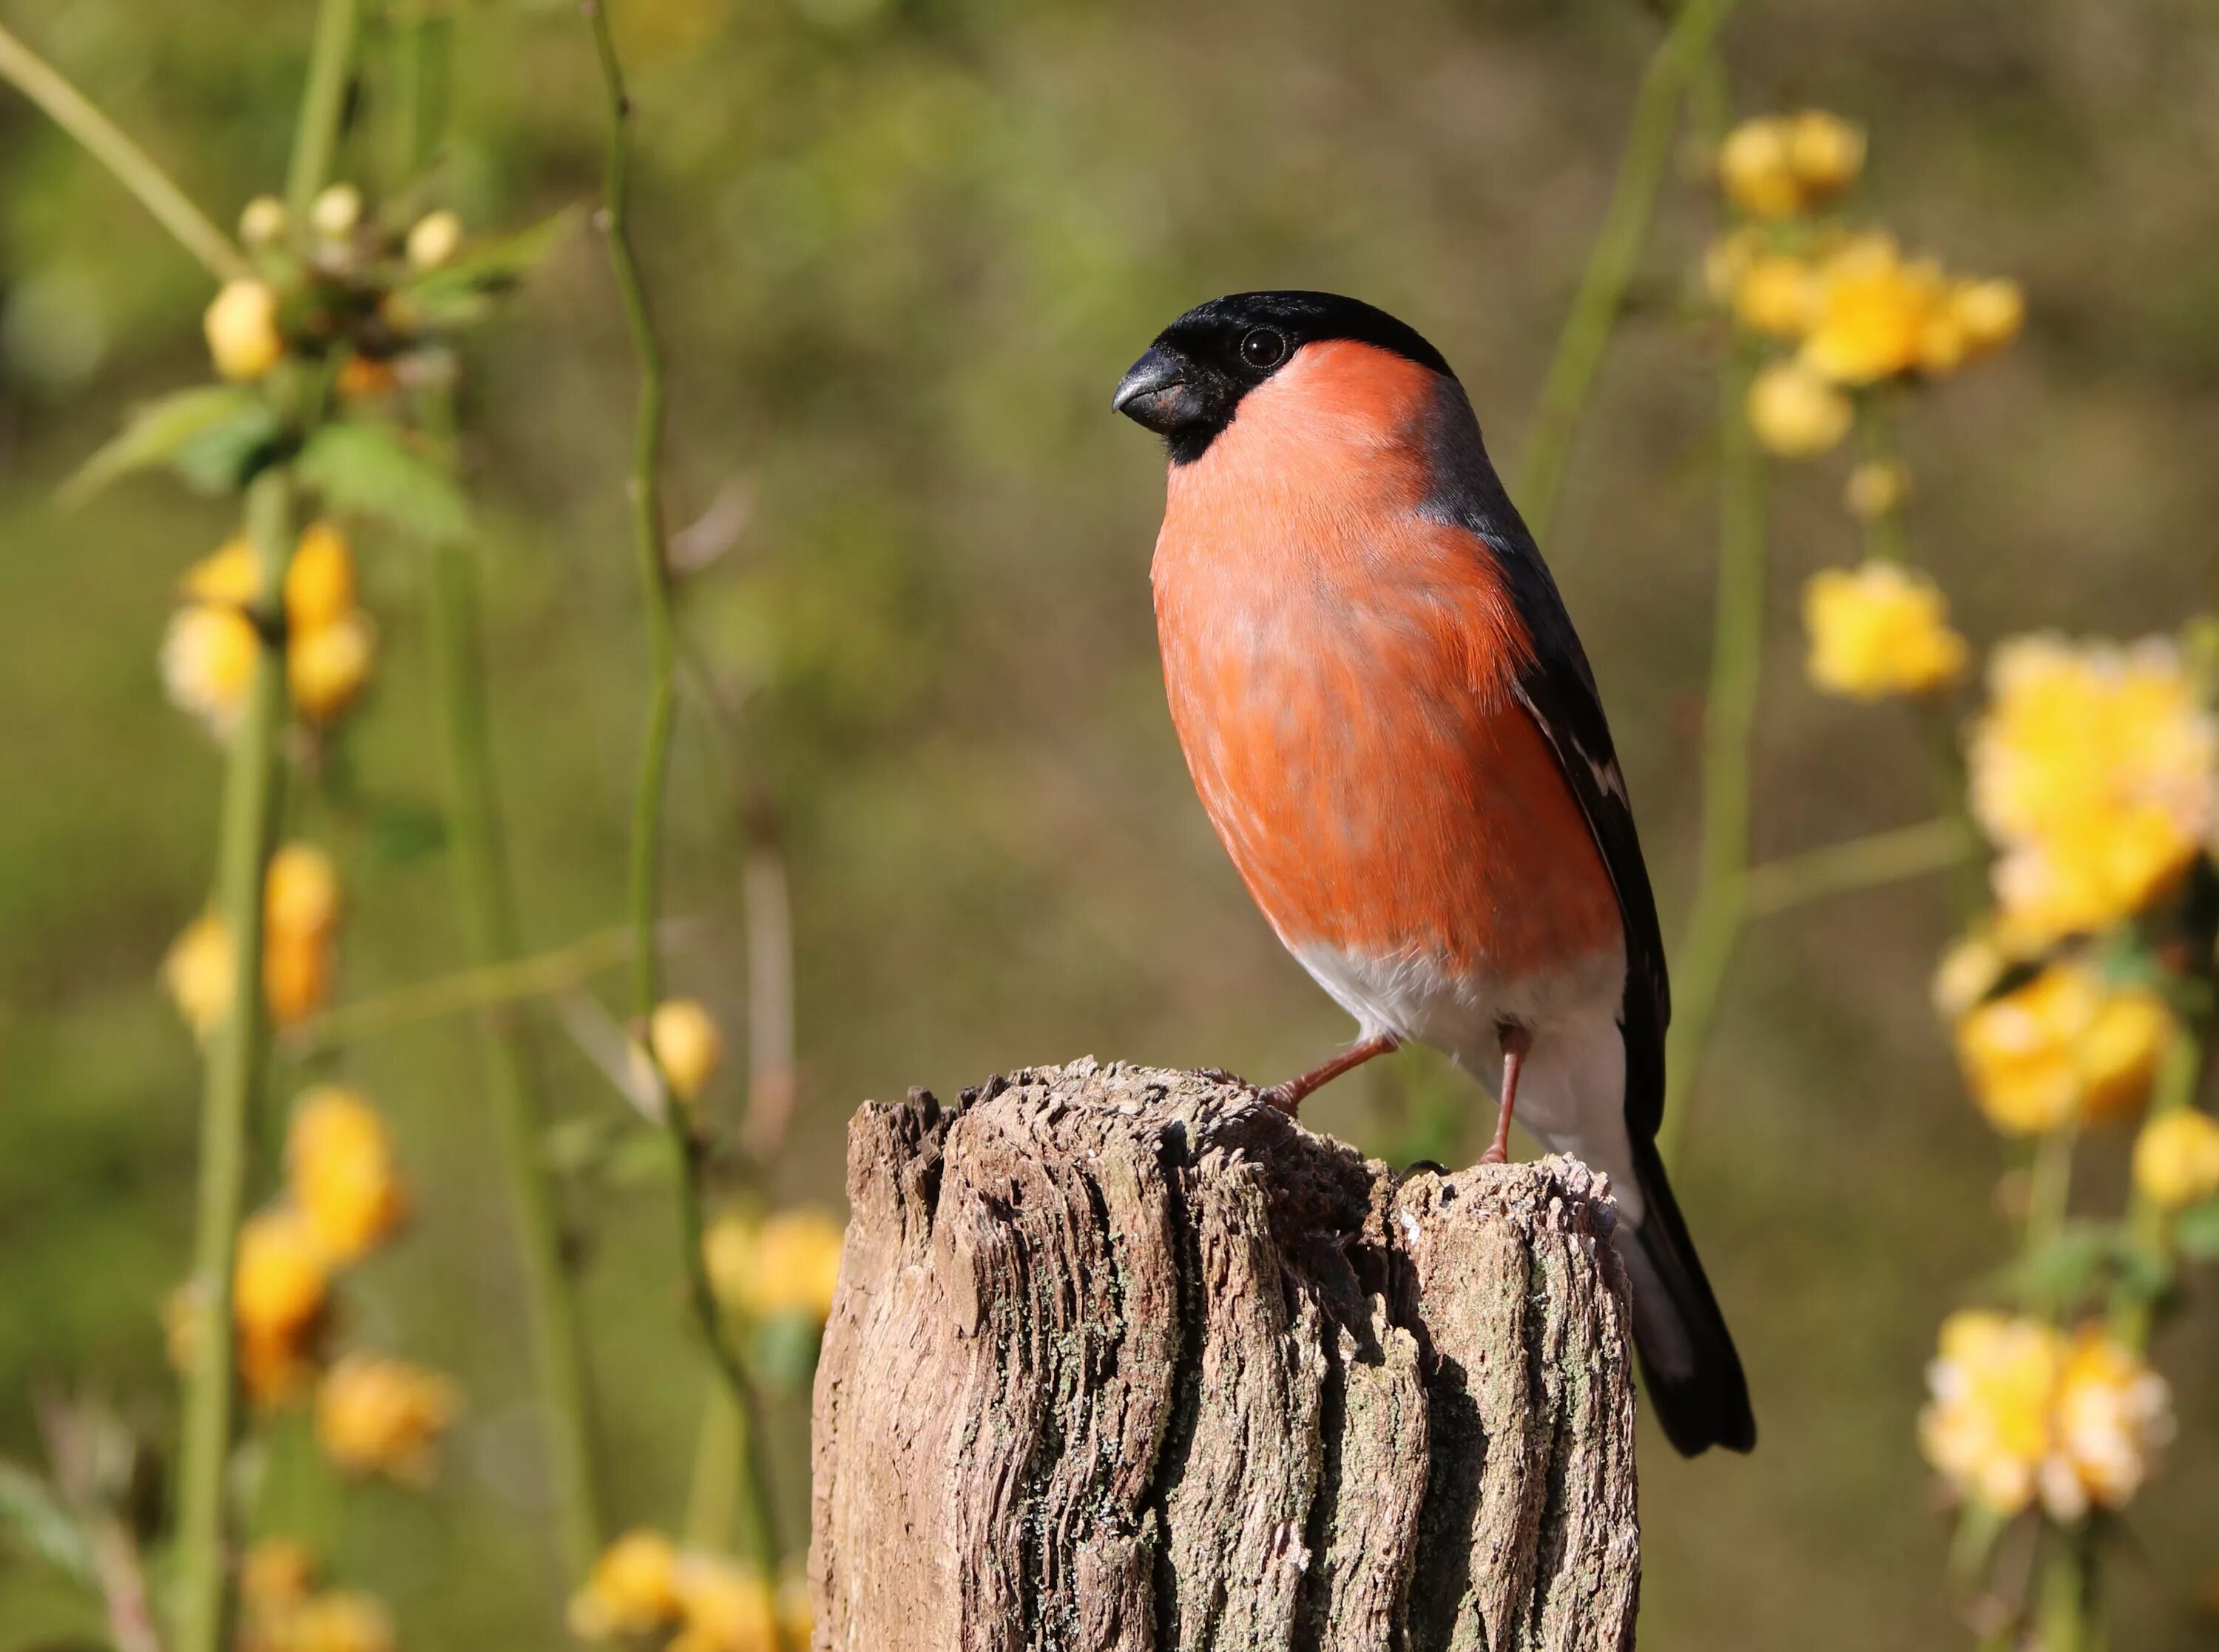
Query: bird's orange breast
{"points": [[1339, 668]]}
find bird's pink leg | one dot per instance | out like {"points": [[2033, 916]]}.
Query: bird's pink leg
{"points": [[1516, 1040], [1288, 1098]]}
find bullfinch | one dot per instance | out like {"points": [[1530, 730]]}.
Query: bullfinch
{"points": [[1396, 732]]}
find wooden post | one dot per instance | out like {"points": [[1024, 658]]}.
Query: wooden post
{"points": [[1124, 1359]]}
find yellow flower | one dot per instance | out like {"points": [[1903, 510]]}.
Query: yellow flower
{"points": [[319, 583], [384, 1416], [1879, 629], [1968, 971], [2176, 1158], [1989, 1425], [341, 1621], [231, 576], [340, 1170], [2096, 771], [197, 973], [633, 1589], [1757, 168], [242, 324], [281, 1282], [1875, 487], [264, 222], [725, 1607], [1728, 258], [301, 893], [1989, 313], [2113, 1412], [207, 664], [276, 1574], [1826, 153], [337, 211], [296, 977], [2063, 1046], [1794, 413], [688, 1045], [434, 238], [1870, 312], [327, 668], [1774, 296], [789, 1264]]}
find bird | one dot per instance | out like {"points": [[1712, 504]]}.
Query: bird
{"points": [[1395, 733]]}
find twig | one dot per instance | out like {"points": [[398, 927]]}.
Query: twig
{"points": [[323, 104], [132, 166], [233, 1066], [1570, 378], [1861, 863], [645, 491], [542, 975], [482, 883], [1737, 660]]}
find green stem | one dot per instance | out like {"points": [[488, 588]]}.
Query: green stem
{"points": [[483, 987], [2150, 1226], [323, 104], [1861, 863], [234, 1065], [1721, 904], [1611, 261], [132, 166], [2068, 1607], [645, 488], [482, 887], [2049, 1194]]}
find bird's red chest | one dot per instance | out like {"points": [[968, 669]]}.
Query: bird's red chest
{"points": [[1339, 670]]}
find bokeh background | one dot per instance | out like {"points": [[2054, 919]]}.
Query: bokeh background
{"points": [[902, 250]]}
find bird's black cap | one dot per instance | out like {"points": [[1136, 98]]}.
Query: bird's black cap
{"points": [[1188, 386]]}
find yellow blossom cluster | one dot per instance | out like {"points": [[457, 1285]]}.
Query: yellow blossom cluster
{"points": [[788, 1264], [2065, 1047], [1878, 630], [342, 1197], [300, 927], [384, 1416], [644, 1585], [2095, 771], [1778, 166], [281, 1611], [2176, 1158], [209, 654], [2020, 1411]]}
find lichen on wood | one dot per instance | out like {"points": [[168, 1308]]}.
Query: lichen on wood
{"points": [[1124, 1359]]}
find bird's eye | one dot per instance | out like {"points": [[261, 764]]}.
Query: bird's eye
{"points": [[1263, 347]]}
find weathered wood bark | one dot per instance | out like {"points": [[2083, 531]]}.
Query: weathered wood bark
{"points": [[1122, 1359]]}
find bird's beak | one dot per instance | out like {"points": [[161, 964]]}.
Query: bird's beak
{"points": [[1159, 392]]}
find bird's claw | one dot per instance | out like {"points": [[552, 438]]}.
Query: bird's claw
{"points": [[1283, 1097], [1494, 1156]]}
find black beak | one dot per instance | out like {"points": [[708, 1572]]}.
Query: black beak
{"points": [[1159, 393]]}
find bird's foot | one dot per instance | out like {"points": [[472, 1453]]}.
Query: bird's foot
{"points": [[1220, 1076], [1285, 1097], [1496, 1155]]}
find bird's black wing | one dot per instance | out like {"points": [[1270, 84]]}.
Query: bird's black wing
{"points": [[1557, 689]]}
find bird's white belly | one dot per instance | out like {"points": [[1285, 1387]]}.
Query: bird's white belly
{"points": [[1571, 1093]]}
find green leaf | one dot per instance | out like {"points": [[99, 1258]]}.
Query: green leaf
{"points": [[455, 293], [2066, 1269], [33, 1512], [786, 1348], [212, 435], [371, 469], [402, 832], [2196, 1231]]}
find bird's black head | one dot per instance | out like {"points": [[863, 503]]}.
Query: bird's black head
{"points": [[1188, 386]]}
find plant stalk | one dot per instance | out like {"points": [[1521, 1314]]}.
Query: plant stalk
{"points": [[1594, 315], [233, 1066], [131, 166], [511, 1081], [323, 104], [1721, 903], [644, 489]]}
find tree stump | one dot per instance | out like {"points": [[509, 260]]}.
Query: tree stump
{"points": [[1123, 1358]]}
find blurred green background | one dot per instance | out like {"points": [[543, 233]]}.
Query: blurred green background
{"points": [[902, 250]]}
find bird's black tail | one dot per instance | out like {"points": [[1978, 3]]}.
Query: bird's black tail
{"points": [[1694, 1377]]}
